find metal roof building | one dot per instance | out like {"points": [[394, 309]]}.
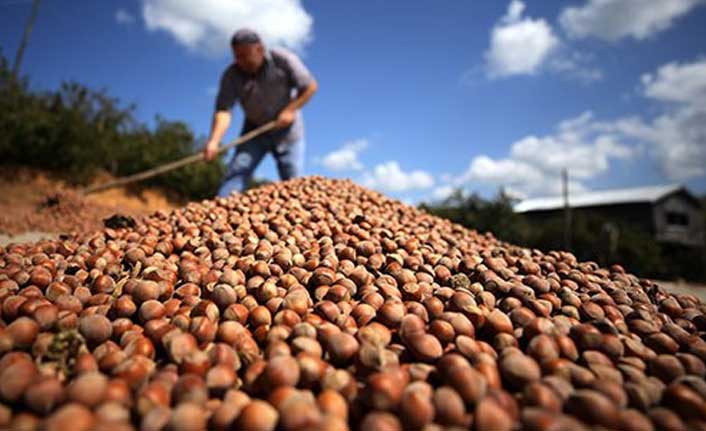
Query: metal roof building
{"points": [[598, 198], [669, 212]]}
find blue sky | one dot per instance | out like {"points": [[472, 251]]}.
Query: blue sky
{"points": [[418, 98]]}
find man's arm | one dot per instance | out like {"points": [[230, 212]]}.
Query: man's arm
{"points": [[286, 117], [222, 113], [219, 125]]}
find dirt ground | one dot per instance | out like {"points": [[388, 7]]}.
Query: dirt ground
{"points": [[681, 287], [34, 205]]}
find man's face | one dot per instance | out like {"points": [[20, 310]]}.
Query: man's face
{"points": [[249, 56]]}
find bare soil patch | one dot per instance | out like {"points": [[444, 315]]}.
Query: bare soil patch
{"points": [[35, 205], [681, 287]]}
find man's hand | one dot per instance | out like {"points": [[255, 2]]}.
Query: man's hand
{"points": [[211, 150], [221, 120], [285, 118]]}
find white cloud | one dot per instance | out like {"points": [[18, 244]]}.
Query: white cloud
{"points": [[124, 17], [615, 19], [520, 178], [346, 157], [677, 137], [442, 192], [576, 65], [502, 171], [675, 82], [675, 140], [534, 165], [389, 177], [207, 25], [575, 147], [519, 45]]}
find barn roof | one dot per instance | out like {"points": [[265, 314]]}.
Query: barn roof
{"points": [[599, 198]]}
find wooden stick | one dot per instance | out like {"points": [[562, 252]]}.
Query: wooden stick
{"points": [[177, 163]]}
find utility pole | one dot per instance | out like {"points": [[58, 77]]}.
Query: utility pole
{"points": [[25, 39], [567, 208]]}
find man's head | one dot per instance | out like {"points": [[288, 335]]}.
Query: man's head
{"points": [[248, 50]]}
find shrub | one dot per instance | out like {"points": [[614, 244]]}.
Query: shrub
{"points": [[76, 132], [638, 251]]}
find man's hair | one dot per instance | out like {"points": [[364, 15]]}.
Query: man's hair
{"points": [[245, 36]]}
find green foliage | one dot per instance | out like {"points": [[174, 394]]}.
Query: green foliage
{"points": [[76, 132], [591, 236], [494, 215]]}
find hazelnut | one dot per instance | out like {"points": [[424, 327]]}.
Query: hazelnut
{"points": [[257, 416]]}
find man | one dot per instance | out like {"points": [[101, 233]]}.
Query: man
{"points": [[269, 85]]}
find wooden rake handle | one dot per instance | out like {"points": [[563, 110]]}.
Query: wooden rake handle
{"points": [[177, 163]]}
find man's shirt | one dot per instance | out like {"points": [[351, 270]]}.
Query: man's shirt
{"points": [[263, 95]]}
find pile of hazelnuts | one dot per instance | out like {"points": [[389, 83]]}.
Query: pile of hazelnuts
{"points": [[316, 304]]}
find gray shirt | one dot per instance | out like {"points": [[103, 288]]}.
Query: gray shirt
{"points": [[263, 95]]}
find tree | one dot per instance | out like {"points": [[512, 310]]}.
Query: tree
{"points": [[638, 251], [495, 215], [76, 132]]}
